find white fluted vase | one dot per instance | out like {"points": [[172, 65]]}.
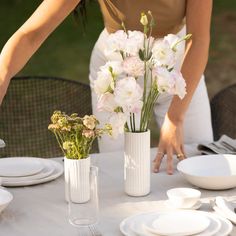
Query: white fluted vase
{"points": [[137, 176], [77, 183]]}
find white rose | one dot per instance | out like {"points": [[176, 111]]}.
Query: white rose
{"points": [[103, 83], [128, 93], [133, 66]]}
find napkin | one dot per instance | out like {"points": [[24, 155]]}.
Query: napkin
{"points": [[225, 145], [2, 143], [225, 209]]}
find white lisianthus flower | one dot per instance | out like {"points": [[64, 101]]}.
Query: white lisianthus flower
{"points": [[164, 79], [103, 83], [135, 107], [116, 42], [128, 94], [134, 42], [162, 54], [133, 66], [117, 122], [115, 65], [106, 102], [180, 84], [177, 45], [172, 39]]}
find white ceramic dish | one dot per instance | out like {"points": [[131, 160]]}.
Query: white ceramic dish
{"points": [[5, 198], [183, 197], [19, 166], [48, 168], [137, 224], [58, 170], [216, 172]]}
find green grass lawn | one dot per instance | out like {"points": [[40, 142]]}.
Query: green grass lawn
{"points": [[67, 51]]}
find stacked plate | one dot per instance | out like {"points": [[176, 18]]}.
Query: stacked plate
{"points": [[176, 223], [25, 171]]}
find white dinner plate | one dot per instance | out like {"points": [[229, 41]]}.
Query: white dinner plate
{"points": [[197, 223], [125, 225], [48, 168], [213, 227], [58, 170], [136, 224], [19, 166], [226, 227]]}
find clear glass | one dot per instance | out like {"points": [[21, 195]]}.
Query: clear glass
{"points": [[86, 213]]}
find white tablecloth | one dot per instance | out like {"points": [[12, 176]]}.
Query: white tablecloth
{"points": [[41, 210]]}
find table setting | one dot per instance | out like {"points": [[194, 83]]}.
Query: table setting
{"points": [[120, 214]]}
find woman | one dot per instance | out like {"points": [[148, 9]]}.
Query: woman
{"points": [[187, 119]]}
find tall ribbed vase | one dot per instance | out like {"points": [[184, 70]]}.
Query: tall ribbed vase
{"points": [[77, 184], [137, 163]]}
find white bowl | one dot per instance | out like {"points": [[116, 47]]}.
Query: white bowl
{"points": [[216, 172], [183, 197], [5, 198]]}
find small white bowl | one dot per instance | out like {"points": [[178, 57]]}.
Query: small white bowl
{"points": [[5, 198], [183, 197]]}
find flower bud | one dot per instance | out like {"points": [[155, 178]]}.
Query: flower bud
{"points": [[144, 19]]}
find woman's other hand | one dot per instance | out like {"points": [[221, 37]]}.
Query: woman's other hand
{"points": [[171, 143]]}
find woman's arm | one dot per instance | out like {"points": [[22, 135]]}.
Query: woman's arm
{"points": [[198, 18], [28, 38]]}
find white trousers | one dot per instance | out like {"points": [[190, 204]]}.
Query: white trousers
{"points": [[197, 122]]}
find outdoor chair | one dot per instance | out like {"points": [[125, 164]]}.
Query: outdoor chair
{"points": [[26, 110], [223, 111]]}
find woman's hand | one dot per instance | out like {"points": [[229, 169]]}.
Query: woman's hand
{"points": [[171, 142]]}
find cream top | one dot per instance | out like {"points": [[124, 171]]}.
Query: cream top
{"points": [[168, 14]]}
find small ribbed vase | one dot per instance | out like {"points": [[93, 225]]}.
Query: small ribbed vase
{"points": [[137, 164], [77, 184]]}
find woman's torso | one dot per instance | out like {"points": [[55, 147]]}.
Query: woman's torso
{"points": [[169, 14]]}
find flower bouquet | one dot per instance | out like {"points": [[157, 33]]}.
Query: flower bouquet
{"points": [[128, 89], [143, 61], [75, 136]]}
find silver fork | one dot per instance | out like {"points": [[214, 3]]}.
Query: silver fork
{"points": [[94, 230]]}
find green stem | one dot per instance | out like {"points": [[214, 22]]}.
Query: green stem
{"points": [[134, 122], [131, 125]]}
